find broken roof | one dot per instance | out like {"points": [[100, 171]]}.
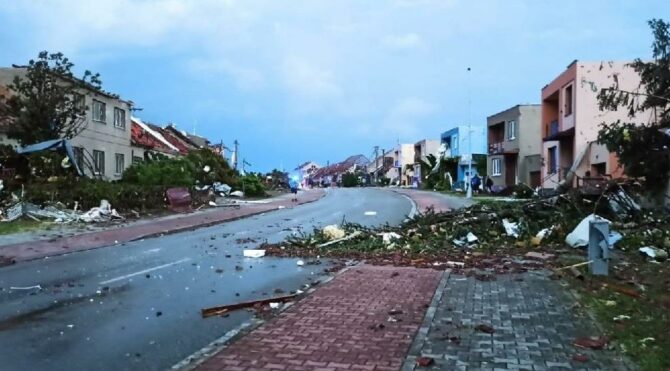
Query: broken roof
{"points": [[143, 135]]}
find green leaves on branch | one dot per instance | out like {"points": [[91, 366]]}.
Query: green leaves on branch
{"points": [[46, 103], [641, 147]]}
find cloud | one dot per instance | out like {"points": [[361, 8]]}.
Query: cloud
{"points": [[308, 80], [245, 78], [406, 41], [405, 116]]}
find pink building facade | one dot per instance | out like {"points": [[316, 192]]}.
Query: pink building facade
{"points": [[571, 119]]}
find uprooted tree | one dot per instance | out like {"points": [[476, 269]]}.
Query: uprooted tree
{"points": [[47, 102], [642, 148]]}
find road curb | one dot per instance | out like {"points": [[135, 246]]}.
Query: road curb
{"points": [[422, 333]]}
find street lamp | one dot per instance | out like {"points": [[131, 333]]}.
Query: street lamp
{"points": [[469, 178]]}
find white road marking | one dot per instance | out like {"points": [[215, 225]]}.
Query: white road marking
{"points": [[145, 271], [412, 212], [153, 250]]}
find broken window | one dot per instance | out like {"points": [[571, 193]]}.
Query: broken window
{"points": [[120, 163], [553, 160], [99, 109], [99, 162], [496, 167], [79, 101], [568, 101], [119, 118]]}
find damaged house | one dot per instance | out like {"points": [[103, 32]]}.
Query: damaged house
{"points": [[422, 149], [570, 123], [332, 174], [146, 141], [102, 148]]}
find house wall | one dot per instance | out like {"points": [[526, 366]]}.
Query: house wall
{"points": [[99, 136], [526, 141], [591, 78], [105, 137], [529, 134]]}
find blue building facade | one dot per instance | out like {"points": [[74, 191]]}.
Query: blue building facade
{"points": [[458, 144]]}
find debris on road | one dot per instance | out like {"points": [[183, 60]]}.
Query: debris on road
{"points": [[218, 310], [254, 253], [333, 232], [591, 342], [654, 253], [424, 361], [485, 329]]}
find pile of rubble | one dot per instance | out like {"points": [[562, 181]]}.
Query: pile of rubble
{"points": [[498, 236], [58, 213]]}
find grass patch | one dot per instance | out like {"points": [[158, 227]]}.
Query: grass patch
{"points": [[649, 314], [21, 225]]}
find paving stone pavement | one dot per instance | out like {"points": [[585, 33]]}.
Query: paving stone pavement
{"points": [[343, 325], [535, 322]]}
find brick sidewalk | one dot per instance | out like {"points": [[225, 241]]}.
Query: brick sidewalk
{"points": [[533, 318], [41, 248], [439, 202], [343, 325]]}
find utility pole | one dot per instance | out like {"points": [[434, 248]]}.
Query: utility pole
{"points": [[376, 164], [236, 153], [469, 178]]}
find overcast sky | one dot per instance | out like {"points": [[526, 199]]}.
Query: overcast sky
{"points": [[321, 80]]}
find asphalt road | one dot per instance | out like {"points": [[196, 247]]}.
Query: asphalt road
{"points": [[137, 306]]}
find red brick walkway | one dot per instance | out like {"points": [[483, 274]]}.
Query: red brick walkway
{"points": [[341, 326]]}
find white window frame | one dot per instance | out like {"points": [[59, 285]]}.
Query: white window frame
{"points": [[511, 130], [122, 157], [119, 118], [454, 141], [496, 167], [98, 170], [102, 111]]}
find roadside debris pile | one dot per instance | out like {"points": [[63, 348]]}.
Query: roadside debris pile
{"points": [[58, 213], [491, 234]]}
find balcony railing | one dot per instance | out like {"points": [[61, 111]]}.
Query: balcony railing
{"points": [[553, 128], [496, 148]]}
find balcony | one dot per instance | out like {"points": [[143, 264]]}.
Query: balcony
{"points": [[496, 148]]}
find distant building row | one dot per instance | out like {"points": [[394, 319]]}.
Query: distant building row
{"points": [[533, 144]]}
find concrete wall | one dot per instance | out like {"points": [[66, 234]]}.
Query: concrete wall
{"points": [[97, 135]]}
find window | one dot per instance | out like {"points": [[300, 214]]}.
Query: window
{"points": [[98, 162], [79, 156], [119, 118], [511, 130], [99, 109], [79, 101], [495, 167], [568, 101], [137, 160], [120, 163], [553, 160], [454, 141]]}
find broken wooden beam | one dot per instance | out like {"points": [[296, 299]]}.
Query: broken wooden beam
{"points": [[221, 309]]}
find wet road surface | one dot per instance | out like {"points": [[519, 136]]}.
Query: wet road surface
{"points": [[137, 306]]}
